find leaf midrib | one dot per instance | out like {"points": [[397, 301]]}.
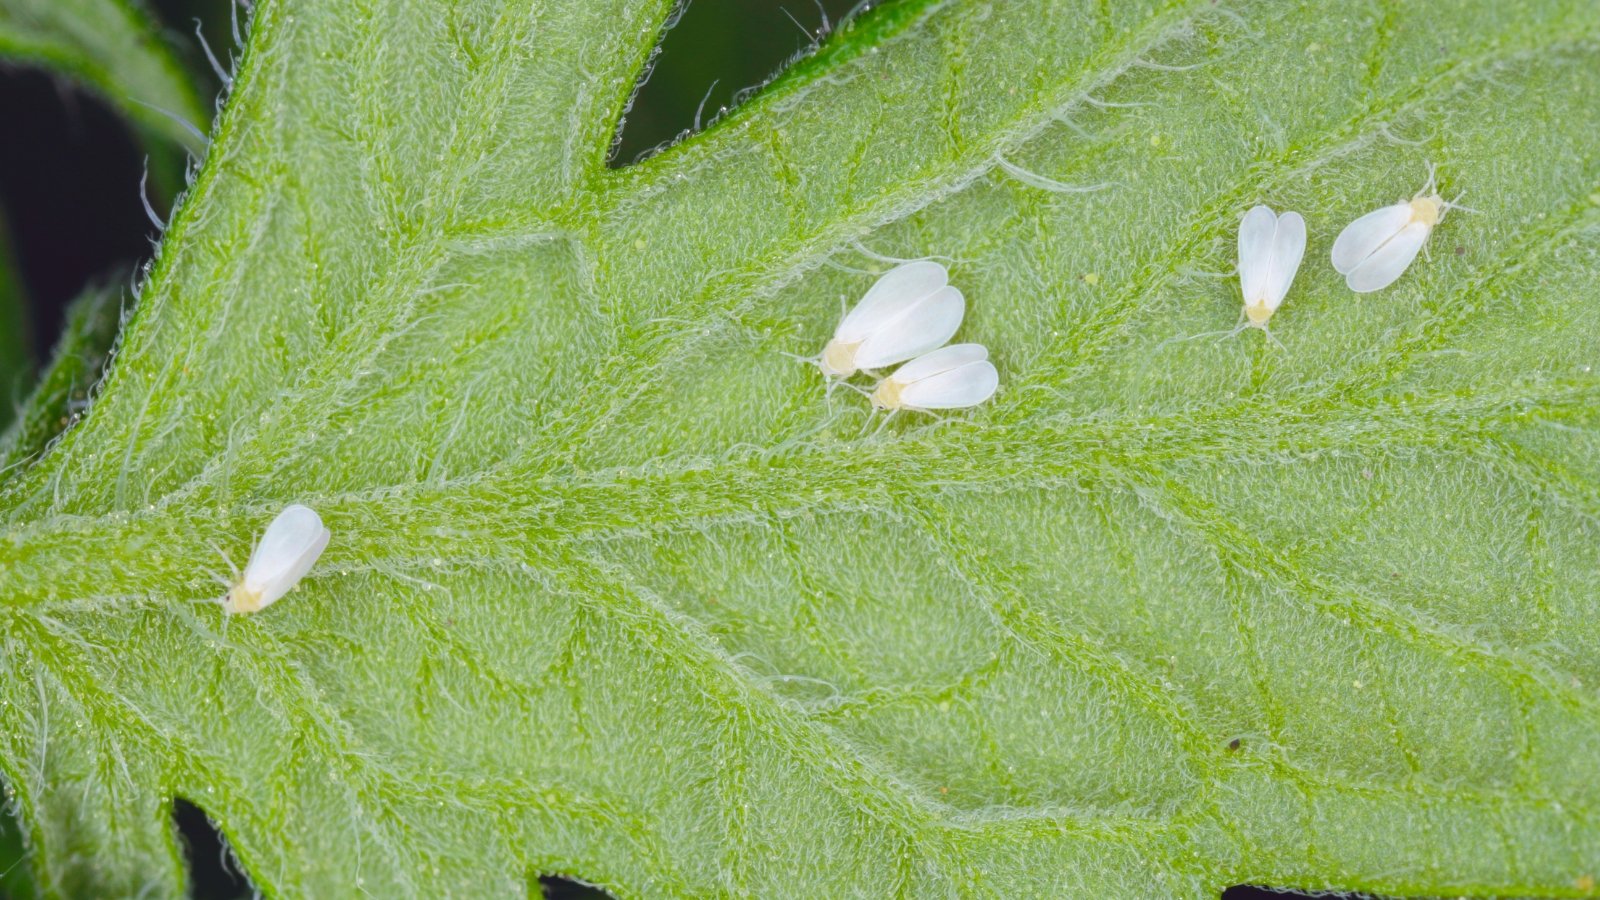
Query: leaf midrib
{"points": [[46, 559]]}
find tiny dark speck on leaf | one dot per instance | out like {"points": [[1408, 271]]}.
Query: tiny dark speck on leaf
{"points": [[1461, 250], [1234, 744]]}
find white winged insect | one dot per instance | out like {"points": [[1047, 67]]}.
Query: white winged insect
{"points": [[910, 310], [1377, 248], [284, 555], [953, 377], [1270, 249]]}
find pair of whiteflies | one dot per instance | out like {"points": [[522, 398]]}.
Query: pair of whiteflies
{"points": [[910, 313], [1371, 252]]}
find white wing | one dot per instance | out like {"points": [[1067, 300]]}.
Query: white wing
{"points": [[1288, 247], [922, 326], [963, 386], [1361, 238], [287, 551], [297, 571], [941, 360], [888, 298], [1379, 270], [1255, 251]]}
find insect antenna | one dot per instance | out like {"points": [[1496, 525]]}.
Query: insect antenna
{"points": [[1271, 337], [1396, 139], [871, 414], [225, 558], [1433, 181], [841, 267], [834, 415], [1189, 272], [1222, 335], [803, 29], [1108, 104], [1455, 204]]}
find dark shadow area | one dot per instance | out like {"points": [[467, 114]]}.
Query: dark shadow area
{"points": [[560, 887], [16, 876], [717, 50], [214, 873], [1254, 892], [69, 187]]}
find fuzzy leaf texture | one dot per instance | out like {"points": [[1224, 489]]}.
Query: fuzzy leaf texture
{"points": [[616, 591], [62, 391]]}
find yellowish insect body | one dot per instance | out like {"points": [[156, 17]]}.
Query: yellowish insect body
{"points": [[887, 394], [241, 599], [1427, 210], [839, 359]]}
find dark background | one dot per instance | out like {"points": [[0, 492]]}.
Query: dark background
{"points": [[69, 192]]}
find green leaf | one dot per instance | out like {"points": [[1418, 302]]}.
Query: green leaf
{"points": [[113, 47], [64, 389], [617, 591]]}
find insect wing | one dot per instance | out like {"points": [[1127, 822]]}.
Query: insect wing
{"points": [[1361, 238], [966, 385], [940, 360], [921, 327], [1379, 270], [1288, 247], [1255, 251], [286, 553], [889, 298]]}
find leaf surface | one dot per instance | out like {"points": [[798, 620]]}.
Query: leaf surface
{"points": [[64, 388], [616, 591]]}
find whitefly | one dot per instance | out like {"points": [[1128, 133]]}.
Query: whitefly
{"points": [[283, 556]]}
